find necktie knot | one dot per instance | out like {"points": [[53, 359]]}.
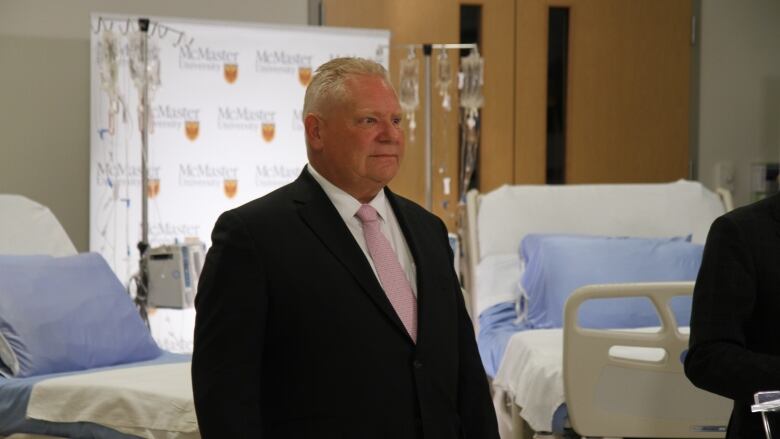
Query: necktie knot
{"points": [[367, 214]]}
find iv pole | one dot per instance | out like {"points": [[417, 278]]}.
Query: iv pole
{"points": [[142, 296], [142, 278], [427, 52]]}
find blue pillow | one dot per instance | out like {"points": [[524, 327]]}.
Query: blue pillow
{"points": [[65, 314], [556, 265]]}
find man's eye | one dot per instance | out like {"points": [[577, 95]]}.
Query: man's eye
{"points": [[367, 120], [397, 121]]}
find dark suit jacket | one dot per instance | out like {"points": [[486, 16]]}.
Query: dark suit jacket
{"points": [[295, 338], [735, 341]]}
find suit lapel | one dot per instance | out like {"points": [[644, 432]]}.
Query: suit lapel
{"points": [[319, 214]]}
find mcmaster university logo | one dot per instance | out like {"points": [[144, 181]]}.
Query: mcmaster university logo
{"points": [[210, 59], [279, 61], [231, 72], [176, 117], [275, 175], [170, 232], [111, 174], [203, 174], [152, 187], [248, 119]]}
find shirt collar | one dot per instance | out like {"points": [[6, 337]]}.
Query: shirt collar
{"points": [[346, 204]]}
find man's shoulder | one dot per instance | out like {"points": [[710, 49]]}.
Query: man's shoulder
{"points": [[269, 205], [750, 223], [407, 205], [412, 210], [766, 210]]}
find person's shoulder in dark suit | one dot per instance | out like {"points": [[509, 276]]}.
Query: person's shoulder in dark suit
{"points": [[416, 212], [734, 348], [278, 201], [760, 213]]}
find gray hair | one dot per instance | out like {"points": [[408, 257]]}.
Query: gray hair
{"points": [[327, 85]]}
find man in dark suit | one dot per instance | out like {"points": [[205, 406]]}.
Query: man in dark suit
{"points": [[330, 308], [735, 341]]}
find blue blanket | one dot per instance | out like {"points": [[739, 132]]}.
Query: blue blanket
{"points": [[497, 324]]}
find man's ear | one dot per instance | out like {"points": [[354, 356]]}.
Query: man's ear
{"points": [[313, 125]]}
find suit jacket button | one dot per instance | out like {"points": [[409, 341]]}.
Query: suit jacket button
{"points": [[417, 364]]}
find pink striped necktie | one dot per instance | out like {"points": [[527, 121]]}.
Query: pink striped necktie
{"points": [[391, 275]]}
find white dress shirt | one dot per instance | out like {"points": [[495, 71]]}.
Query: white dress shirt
{"points": [[347, 206]]}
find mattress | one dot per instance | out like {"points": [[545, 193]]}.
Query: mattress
{"points": [[15, 395]]}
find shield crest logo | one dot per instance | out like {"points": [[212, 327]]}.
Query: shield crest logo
{"points": [[230, 186], [304, 75], [231, 72], [268, 131], [192, 129], [152, 187]]}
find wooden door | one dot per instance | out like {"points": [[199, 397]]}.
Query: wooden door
{"points": [[627, 116]]}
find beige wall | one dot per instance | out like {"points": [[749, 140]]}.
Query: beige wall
{"points": [[739, 94], [44, 90]]}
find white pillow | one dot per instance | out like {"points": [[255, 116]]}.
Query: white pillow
{"points": [[497, 279]]}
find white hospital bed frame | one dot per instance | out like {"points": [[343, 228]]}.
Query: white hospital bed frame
{"points": [[608, 396], [471, 241]]}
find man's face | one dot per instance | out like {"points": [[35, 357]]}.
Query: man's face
{"points": [[361, 142]]}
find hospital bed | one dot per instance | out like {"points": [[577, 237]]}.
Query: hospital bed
{"points": [[559, 375], [117, 383]]}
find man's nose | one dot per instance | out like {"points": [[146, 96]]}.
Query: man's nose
{"points": [[391, 132]]}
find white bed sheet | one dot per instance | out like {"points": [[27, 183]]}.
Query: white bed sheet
{"points": [[147, 401], [531, 372]]}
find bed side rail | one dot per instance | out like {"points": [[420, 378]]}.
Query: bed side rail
{"points": [[470, 245], [630, 383]]}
